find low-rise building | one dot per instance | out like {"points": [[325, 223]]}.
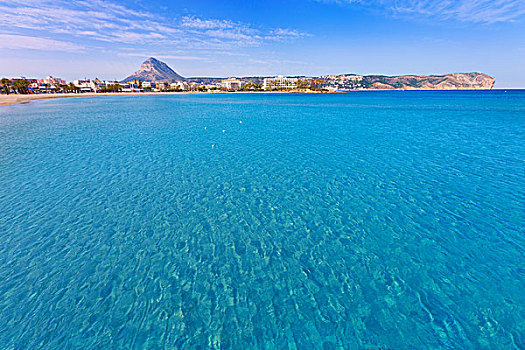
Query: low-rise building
{"points": [[179, 85], [280, 82], [231, 84], [193, 86], [161, 86], [85, 85], [51, 81]]}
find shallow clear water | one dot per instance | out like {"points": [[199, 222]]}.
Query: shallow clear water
{"points": [[363, 220]]}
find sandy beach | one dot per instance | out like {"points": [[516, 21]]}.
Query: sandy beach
{"points": [[6, 100], [11, 99]]}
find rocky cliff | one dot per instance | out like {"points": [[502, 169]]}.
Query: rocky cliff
{"points": [[454, 81], [154, 70]]}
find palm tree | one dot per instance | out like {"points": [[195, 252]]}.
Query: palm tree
{"points": [[5, 85], [72, 88], [21, 86]]}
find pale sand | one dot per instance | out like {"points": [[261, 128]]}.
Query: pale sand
{"points": [[16, 98]]}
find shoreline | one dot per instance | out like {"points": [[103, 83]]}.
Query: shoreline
{"points": [[12, 99], [6, 100]]}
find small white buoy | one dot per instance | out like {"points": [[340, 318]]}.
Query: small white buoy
{"points": [[240, 121], [205, 127], [213, 146], [223, 130]]}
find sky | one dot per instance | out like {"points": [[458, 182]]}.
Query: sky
{"points": [[109, 39]]}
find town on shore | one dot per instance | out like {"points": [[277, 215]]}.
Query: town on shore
{"points": [[157, 76], [52, 85]]}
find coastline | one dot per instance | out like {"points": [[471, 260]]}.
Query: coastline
{"points": [[6, 100], [12, 99]]}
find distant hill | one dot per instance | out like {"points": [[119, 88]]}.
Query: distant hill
{"points": [[454, 81], [154, 70]]}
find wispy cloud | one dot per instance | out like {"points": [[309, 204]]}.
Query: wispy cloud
{"points": [[476, 11], [198, 23], [225, 31], [95, 20], [286, 34], [237, 32], [107, 21], [163, 56], [12, 41]]}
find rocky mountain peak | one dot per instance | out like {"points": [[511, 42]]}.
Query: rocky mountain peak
{"points": [[155, 71]]}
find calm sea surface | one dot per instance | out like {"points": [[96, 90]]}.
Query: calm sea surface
{"points": [[390, 220]]}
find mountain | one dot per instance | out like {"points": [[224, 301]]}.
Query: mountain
{"points": [[453, 81], [154, 70]]}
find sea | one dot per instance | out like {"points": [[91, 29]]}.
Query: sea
{"points": [[362, 220]]}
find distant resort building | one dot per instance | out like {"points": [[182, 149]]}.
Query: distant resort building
{"points": [[180, 85], [85, 85], [47, 85], [161, 86], [194, 86], [128, 88], [51, 81], [231, 84], [88, 85], [344, 82], [280, 82]]}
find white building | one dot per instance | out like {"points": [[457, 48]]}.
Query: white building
{"points": [[51, 81], [231, 84], [280, 82], [180, 85], [85, 85], [193, 86], [146, 84], [161, 86]]}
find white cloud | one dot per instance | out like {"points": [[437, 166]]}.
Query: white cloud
{"points": [[217, 31], [237, 32], [477, 11], [194, 22], [162, 56], [105, 21], [11, 41], [95, 19], [286, 34]]}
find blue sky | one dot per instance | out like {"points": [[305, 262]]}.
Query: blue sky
{"points": [[109, 39]]}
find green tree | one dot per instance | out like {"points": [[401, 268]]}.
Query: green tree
{"points": [[73, 88], [21, 86], [5, 85]]}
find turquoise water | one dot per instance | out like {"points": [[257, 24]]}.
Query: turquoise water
{"points": [[388, 220]]}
